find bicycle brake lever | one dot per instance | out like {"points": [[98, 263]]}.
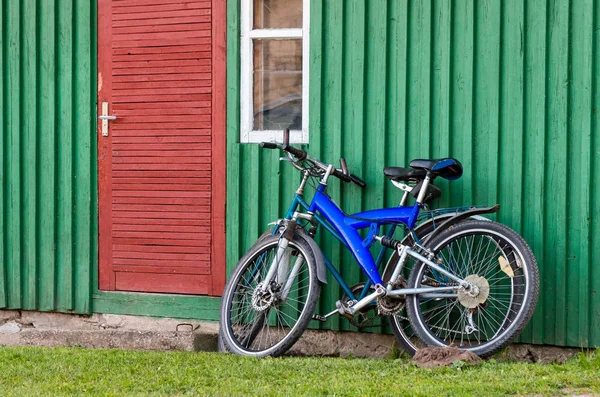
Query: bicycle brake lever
{"points": [[285, 159]]}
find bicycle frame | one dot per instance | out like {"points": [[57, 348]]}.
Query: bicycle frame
{"points": [[298, 201], [345, 229]]}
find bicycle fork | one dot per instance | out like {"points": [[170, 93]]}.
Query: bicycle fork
{"points": [[280, 266]]}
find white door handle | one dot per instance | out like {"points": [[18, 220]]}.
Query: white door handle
{"points": [[105, 118]]}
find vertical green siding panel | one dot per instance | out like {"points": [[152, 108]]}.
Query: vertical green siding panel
{"points": [[3, 132], [84, 132], [396, 80], [511, 113], [375, 104], [48, 202], [510, 88], [580, 109], [29, 143], [419, 79], [440, 83], [486, 100], [556, 177], [594, 313], [534, 116], [64, 223], [461, 191], [13, 150], [511, 137], [46, 158]]}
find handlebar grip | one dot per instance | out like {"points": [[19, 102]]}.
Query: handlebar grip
{"points": [[358, 181], [299, 153], [341, 175], [268, 145]]}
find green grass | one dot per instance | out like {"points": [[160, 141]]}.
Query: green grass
{"points": [[58, 371]]}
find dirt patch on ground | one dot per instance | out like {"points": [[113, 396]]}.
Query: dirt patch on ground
{"points": [[538, 354], [433, 357]]}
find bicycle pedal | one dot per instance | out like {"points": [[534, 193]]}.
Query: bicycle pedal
{"points": [[348, 315], [344, 310], [318, 317]]}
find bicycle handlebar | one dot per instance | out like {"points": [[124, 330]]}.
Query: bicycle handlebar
{"points": [[299, 153], [302, 155], [358, 181], [269, 145]]}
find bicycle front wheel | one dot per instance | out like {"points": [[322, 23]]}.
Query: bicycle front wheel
{"points": [[500, 264], [261, 317]]}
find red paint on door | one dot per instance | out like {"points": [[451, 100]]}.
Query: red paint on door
{"points": [[161, 68]]}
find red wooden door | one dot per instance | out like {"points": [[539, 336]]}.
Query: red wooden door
{"points": [[161, 72]]}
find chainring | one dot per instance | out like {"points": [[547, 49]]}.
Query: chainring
{"points": [[367, 316], [388, 306]]}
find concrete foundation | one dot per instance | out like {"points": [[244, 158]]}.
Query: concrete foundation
{"points": [[163, 334]]}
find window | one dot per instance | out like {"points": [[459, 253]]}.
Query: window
{"points": [[274, 70]]}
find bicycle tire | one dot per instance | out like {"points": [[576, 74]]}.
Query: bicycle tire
{"points": [[289, 321], [512, 277]]}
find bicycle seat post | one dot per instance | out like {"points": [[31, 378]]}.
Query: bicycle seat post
{"points": [[424, 187]]}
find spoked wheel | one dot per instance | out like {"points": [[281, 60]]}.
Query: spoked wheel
{"points": [[500, 264], [261, 317]]}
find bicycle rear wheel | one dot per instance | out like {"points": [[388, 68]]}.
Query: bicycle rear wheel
{"points": [[495, 259], [261, 318]]}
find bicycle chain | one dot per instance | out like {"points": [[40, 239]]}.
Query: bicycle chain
{"points": [[369, 323]]}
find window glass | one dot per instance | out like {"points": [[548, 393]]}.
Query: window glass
{"points": [[277, 91], [277, 14]]}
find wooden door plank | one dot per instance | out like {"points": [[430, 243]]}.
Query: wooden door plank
{"points": [[162, 21], [145, 8], [175, 49], [131, 3], [219, 150], [155, 249], [171, 283], [106, 277], [161, 267], [158, 14]]}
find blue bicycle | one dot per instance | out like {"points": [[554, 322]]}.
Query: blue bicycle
{"points": [[472, 283]]}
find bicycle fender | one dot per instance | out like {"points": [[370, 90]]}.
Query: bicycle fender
{"points": [[321, 269], [459, 217]]}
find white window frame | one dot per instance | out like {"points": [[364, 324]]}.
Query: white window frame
{"points": [[248, 135]]}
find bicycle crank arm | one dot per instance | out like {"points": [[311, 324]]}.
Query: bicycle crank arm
{"points": [[379, 291], [324, 318]]}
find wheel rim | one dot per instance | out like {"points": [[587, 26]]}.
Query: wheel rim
{"points": [[260, 322], [475, 252], [411, 341]]}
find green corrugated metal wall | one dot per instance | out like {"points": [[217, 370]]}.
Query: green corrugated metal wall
{"points": [[48, 207], [510, 88]]}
